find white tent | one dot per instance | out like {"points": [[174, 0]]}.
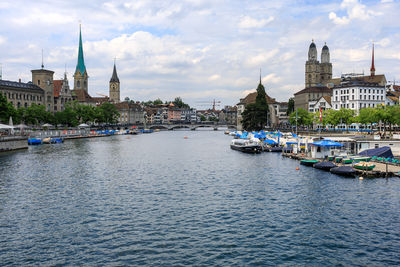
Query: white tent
{"points": [[5, 126], [83, 125], [47, 125]]}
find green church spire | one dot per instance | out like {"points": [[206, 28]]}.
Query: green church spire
{"points": [[81, 62]]}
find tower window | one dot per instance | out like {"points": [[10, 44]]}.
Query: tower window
{"points": [[78, 84], [38, 82]]}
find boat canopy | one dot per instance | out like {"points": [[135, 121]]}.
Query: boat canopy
{"points": [[327, 143], [384, 152], [270, 142]]}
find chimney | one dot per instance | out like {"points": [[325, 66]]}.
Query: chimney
{"points": [[19, 80]]}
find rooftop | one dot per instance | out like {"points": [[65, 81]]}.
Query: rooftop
{"points": [[20, 85]]}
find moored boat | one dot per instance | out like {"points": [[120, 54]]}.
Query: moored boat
{"points": [[273, 149], [365, 166], [344, 171], [34, 141], [308, 162], [245, 146], [325, 165], [46, 140]]}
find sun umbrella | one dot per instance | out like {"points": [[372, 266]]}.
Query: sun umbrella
{"points": [[5, 126]]}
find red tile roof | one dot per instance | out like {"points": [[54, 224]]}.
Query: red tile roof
{"points": [[57, 84]]}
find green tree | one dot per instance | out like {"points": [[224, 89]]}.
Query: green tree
{"points": [[304, 117], [109, 113], [290, 106], [179, 103], [7, 109], [157, 102], [367, 116], [255, 115], [35, 114], [202, 118]]}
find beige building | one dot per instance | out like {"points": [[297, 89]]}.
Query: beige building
{"points": [[303, 97], [22, 94], [62, 93], [44, 79], [130, 112]]}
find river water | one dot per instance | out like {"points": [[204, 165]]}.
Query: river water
{"points": [[162, 200]]}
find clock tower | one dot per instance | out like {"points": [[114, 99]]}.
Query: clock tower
{"points": [[114, 87]]}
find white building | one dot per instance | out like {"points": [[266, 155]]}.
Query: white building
{"points": [[324, 102], [357, 94]]}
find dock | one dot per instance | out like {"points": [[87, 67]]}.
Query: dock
{"points": [[381, 169]]}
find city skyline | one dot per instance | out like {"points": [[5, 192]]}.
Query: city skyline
{"points": [[198, 50]]}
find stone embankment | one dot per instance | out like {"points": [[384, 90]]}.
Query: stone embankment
{"points": [[10, 143]]}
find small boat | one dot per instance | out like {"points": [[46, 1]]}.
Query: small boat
{"points": [[338, 159], [34, 141], [347, 161], [245, 146], [308, 162], [273, 149], [361, 158], [365, 166], [325, 165], [227, 132], [146, 130], [56, 140], [46, 140], [344, 171]]}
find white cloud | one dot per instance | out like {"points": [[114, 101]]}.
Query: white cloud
{"points": [[249, 22], [355, 10], [2, 40]]}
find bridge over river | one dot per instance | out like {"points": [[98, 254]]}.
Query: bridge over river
{"points": [[192, 127]]}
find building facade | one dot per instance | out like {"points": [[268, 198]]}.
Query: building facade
{"points": [[356, 94], [322, 103], [62, 93], [303, 97], [22, 94], [130, 113], [317, 73]]}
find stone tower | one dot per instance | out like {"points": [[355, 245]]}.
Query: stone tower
{"points": [[44, 79], [318, 74], [325, 66], [80, 76], [312, 67], [114, 87]]}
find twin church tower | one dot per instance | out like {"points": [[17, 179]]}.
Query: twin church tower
{"points": [[81, 76], [318, 73]]}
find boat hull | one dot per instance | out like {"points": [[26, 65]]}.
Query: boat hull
{"points": [[251, 149], [346, 171], [325, 166], [308, 162]]}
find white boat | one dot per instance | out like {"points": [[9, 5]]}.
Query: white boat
{"points": [[246, 146]]}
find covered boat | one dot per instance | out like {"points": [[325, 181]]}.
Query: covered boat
{"points": [[308, 162], [245, 146], [34, 141], [344, 171], [383, 152], [324, 165]]}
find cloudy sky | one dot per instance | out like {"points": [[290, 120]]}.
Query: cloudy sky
{"points": [[197, 49]]}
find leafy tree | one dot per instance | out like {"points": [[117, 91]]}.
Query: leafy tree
{"points": [[367, 116], [179, 103], [7, 109], [290, 106], [255, 115], [35, 114], [109, 113], [304, 117], [202, 118], [157, 102]]}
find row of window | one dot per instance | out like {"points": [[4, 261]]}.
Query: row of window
{"points": [[362, 105], [20, 96], [344, 98], [346, 91]]}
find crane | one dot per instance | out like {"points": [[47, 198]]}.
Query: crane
{"points": [[214, 103], [102, 95]]}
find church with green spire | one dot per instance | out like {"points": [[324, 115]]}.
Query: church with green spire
{"points": [[80, 76]]}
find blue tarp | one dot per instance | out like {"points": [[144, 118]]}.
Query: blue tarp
{"points": [[326, 143], [383, 152], [270, 142]]}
